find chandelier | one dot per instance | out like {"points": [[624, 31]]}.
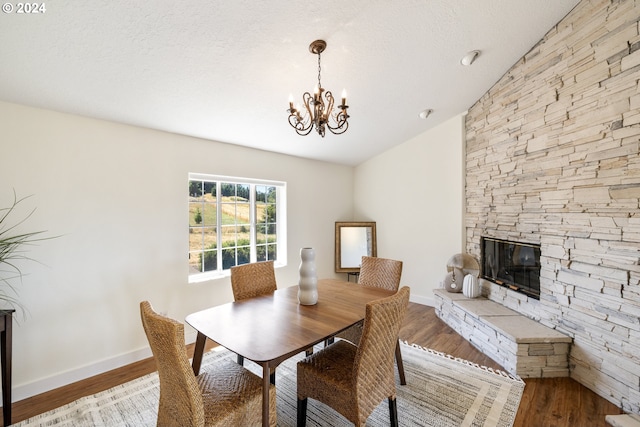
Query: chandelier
{"points": [[318, 108]]}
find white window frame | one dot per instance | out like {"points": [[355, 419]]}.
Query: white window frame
{"points": [[281, 221]]}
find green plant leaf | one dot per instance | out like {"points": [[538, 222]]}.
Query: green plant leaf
{"points": [[13, 248]]}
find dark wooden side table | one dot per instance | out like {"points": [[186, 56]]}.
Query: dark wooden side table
{"points": [[6, 324]]}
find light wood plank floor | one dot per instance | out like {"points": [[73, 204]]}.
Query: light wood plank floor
{"points": [[554, 402]]}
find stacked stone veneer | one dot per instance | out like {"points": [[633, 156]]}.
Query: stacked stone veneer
{"points": [[520, 345], [552, 157]]}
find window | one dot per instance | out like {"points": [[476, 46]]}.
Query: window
{"points": [[234, 221]]}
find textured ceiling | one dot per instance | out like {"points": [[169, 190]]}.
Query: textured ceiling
{"points": [[223, 70]]}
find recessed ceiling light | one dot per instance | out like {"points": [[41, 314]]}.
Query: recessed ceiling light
{"points": [[469, 58], [425, 113]]}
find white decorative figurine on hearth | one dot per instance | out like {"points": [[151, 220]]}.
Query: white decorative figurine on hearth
{"points": [[470, 286]]}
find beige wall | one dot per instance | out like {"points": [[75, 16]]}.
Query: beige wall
{"points": [[116, 197], [552, 158], [414, 192]]}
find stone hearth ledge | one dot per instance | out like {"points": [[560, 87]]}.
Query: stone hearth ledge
{"points": [[521, 345], [623, 420]]}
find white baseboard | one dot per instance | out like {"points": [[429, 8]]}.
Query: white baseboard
{"points": [[23, 391], [419, 299]]}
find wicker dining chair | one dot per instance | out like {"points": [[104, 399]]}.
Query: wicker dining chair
{"points": [[224, 395], [354, 380], [250, 281], [382, 273]]}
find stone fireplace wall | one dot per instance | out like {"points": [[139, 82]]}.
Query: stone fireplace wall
{"points": [[552, 157]]}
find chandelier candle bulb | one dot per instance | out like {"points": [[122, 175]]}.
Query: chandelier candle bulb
{"points": [[344, 97], [290, 103]]}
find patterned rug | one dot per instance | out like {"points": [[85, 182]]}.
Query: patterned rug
{"points": [[441, 391]]}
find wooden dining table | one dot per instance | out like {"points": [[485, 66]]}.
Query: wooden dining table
{"points": [[270, 329]]}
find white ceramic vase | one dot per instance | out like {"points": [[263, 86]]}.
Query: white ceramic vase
{"points": [[471, 287], [308, 282]]}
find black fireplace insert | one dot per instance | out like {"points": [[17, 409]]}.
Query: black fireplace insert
{"points": [[514, 265]]}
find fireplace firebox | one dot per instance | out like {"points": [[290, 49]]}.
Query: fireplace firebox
{"points": [[514, 265]]}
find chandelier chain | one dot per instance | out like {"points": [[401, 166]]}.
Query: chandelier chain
{"points": [[319, 70]]}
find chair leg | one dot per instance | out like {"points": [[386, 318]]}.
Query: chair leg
{"points": [[393, 413], [240, 360], [403, 380], [329, 341], [308, 352], [302, 412]]}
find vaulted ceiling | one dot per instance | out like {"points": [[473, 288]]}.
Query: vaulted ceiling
{"points": [[223, 70]]}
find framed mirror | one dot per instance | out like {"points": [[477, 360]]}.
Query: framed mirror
{"points": [[353, 240]]}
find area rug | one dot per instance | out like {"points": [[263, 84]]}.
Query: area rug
{"points": [[441, 391]]}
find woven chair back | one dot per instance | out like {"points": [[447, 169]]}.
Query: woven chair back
{"points": [[180, 396], [252, 280], [381, 272], [373, 372]]}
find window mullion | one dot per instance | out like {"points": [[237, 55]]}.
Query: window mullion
{"points": [[218, 226], [277, 208], [202, 230], [252, 223]]}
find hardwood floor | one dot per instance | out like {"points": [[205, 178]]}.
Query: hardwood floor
{"points": [[549, 402]]}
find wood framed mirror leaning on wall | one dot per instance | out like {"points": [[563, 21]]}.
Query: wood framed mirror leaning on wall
{"points": [[353, 241]]}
